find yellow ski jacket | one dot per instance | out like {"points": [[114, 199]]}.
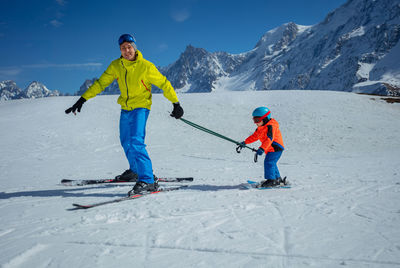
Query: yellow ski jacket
{"points": [[135, 79]]}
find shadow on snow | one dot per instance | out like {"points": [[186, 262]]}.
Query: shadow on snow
{"points": [[78, 191]]}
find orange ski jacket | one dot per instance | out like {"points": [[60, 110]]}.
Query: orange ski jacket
{"points": [[269, 135]]}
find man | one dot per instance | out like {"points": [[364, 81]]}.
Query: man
{"points": [[135, 76]]}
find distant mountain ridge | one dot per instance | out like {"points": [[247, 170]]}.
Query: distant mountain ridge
{"points": [[355, 48], [10, 91], [110, 90]]}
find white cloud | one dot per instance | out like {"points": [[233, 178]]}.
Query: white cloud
{"points": [[9, 72], [56, 23], [61, 2], [180, 15], [162, 47], [58, 13], [68, 65]]}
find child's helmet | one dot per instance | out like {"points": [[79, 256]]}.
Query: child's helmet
{"points": [[262, 112]]}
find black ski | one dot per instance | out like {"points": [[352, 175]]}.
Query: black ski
{"points": [[136, 196], [102, 181]]}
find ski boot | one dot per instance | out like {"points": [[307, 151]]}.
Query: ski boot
{"points": [[270, 183], [155, 181], [142, 187], [283, 181], [274, 183], [128, 175]]}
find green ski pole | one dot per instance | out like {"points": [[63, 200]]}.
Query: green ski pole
{"points": [[238, 149]]}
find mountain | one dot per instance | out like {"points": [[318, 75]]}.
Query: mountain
{"points": [[85, 86], [353, 49], [110, 90], [196, 69], [38, 90], [10, 91]]}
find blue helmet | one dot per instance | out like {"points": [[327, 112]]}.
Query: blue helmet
{"points": [[262, 112], [127, 38]]}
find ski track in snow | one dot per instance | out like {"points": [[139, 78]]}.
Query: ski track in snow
{"points": [[341, 157], [266, 256], [25, 256]]}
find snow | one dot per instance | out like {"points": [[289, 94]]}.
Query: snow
{"points": [[364, 70], [380, 72], [388, 69], [342, 157], [303, 28], [185, 88], [234, 83], [328, 61], [357, 32]]}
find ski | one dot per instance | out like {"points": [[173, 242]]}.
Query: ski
{"points": [[117, 200], [257, 185], [103, 181]]}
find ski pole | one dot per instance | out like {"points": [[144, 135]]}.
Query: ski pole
{"points": [[218, 135]]}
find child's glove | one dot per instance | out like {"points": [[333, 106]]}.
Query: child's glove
{"points": [[260, 151], [240, 146]]}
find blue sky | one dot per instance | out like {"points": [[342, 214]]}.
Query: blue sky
{"points": [[63, 42]]}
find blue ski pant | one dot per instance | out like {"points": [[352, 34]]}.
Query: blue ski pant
{"points": [[271, 171], [132, 129]]}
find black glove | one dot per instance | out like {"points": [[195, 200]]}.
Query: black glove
{"points": [[76, 106], [178, 111], [240, 146]]}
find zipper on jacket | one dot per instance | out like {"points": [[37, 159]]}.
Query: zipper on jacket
{"points": [[146, 86], [126, 84]]}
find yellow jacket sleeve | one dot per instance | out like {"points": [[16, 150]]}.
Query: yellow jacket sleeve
{"points": [[160, 81], [100, 84]]}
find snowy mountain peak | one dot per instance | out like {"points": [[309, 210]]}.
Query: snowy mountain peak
{"points": [[196, 69], [342, 53], [113, 88], [9, 90], [193, 51], [8, 83], [350, 50], [37, 90], [280, 37], [364, 12]]}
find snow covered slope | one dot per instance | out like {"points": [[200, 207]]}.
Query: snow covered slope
{"points": [[342, 156]]}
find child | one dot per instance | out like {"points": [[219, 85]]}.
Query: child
{"points": [[271, 143]]}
